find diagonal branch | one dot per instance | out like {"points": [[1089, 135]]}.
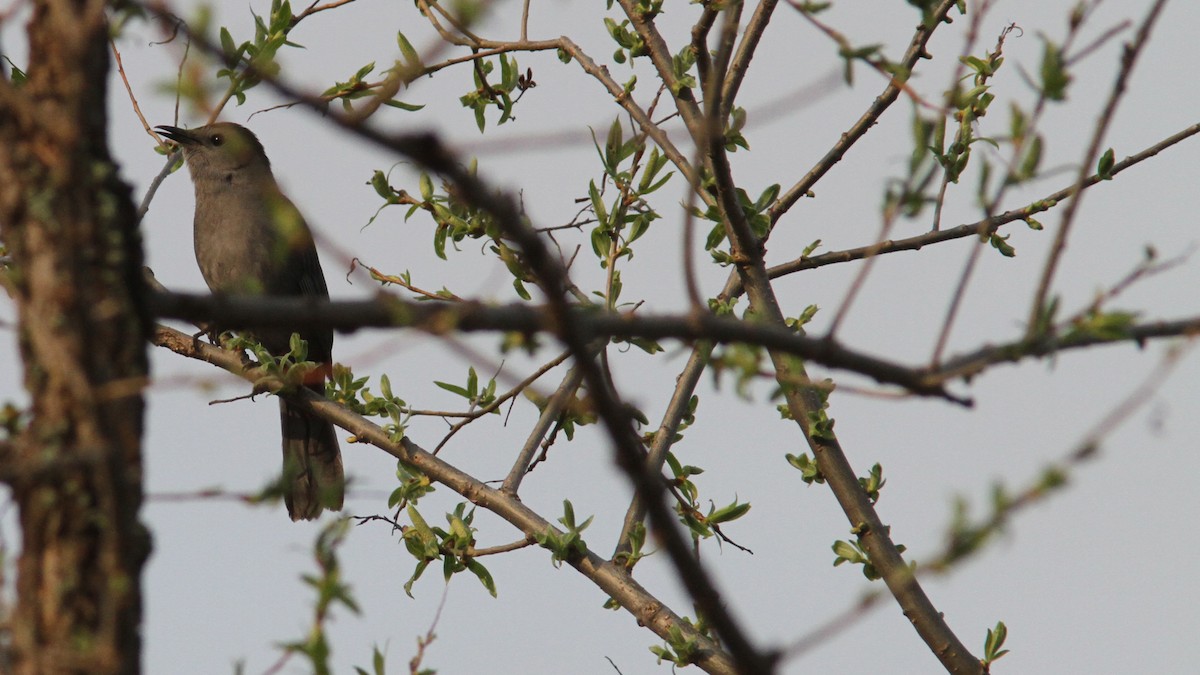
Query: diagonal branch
{"points": [[980, 228], [916, 51], [751, 36], [610, 578], [660, 56], [1128, 59]]}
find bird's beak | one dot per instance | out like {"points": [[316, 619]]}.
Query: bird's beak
{"points": [[180, 136]]}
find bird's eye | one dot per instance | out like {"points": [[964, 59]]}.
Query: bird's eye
{"points": [[217, 139]]}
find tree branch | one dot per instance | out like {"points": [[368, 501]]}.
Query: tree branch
{"points": [[984, 227], [806, 405], [442, 318], [610, 578], [751, 36], [891, 92], [1128, 59]]}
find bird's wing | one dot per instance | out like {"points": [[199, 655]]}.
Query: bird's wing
{"points": [[301, 273]]}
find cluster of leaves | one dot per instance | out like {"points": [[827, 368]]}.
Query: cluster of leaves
{"points": [[353, 393], [746, 362], [682, 649], [820, 424], [247, 62], [743, 361], [569, 545], [453, 546], [292, 369], [476, 397], [627, 215], [965, 536], [1093, 324], [630, 45], [1096, 324], [404, 70], [628, 559], [456, 219], [687, 419], [575, 413], [852, 552], [932, 155], [700, 524], [413, 484], [756, 212], [994, 643], [488, 94], [12, 420]]}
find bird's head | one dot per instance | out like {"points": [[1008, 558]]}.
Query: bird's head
{"points": [[220, 151]]}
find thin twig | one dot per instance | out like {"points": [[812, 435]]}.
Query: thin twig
{"points": [[152, 189], [751, 36], [916, 51], [1128, 59], [315, 8], [137, 109], [500, 400], [549, 417], [987, 225]]}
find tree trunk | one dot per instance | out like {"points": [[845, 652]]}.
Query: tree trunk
{"points": [[75, 470]]}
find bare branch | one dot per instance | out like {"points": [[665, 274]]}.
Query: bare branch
{"points": [[751, 37], [983, 227], [1128, 59], [916, 51], [550, 415]]}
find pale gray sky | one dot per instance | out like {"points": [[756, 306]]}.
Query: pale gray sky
{"points": [[1094, 580]]}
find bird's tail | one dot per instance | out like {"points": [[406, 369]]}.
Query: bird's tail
{"points": [[313, 478]]}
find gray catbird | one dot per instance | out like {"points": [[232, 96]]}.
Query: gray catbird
{"points": [[250, 238]]}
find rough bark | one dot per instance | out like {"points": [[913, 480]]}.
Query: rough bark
{"points": [[75, 470]]}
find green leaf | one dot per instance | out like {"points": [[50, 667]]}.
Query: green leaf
{"points": [[412, 59], [229, 51], [809, 472], [1001, 244], [364, 71], [483, 575], [410, 107], [847, 552], [601, 214], [993, 643], [1033, 157], [454, 389], [1055, 78], [729, 513], [612, 145], [439, 241], [1105, 168], [379, 183]]}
